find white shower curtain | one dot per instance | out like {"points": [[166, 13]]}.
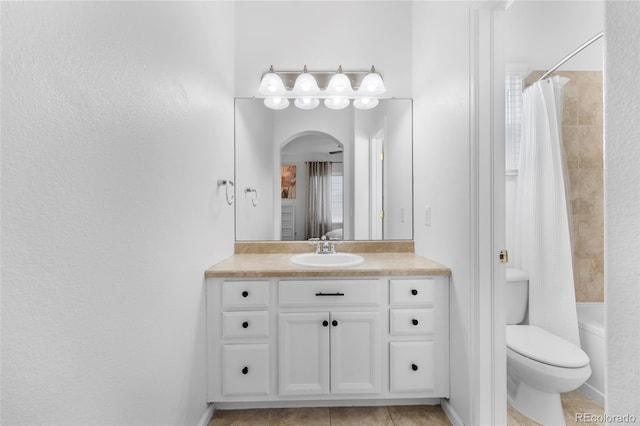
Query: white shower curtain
{"points": [[542, 236]]}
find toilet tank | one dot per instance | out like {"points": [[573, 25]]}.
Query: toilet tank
{"points": [[516, 295]]}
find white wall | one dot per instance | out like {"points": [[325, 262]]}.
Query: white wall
{"points": [[398, 207], [117, 121], [323, 35], [255, 152], [622, 208], [441, 166], [541, 33]]}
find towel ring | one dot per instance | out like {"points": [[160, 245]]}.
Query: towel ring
{"points": [[226, 183], [254, 199]]}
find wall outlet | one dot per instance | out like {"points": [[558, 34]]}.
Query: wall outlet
{"points": [[427, 215]]}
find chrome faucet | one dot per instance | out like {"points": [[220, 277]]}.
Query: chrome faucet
{"points": [[324, 245]]}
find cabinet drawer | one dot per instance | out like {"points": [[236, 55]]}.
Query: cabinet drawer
{"points": [[412, 321], [245, 324], [245, 369], [412, 292], [245, 294], [412, 366], [329, 293]]}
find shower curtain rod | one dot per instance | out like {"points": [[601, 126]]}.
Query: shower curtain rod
{"points": [[571, 55]]}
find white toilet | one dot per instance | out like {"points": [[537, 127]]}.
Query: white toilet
{"points": [[540, 365]]}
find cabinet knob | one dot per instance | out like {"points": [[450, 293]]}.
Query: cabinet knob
{"points": [[334, 323], [245, 293], [325, 323], [245, 370], [414, 321], [414, 292], [245, 324], [414, 367]]}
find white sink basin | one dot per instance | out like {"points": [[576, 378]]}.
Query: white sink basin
{"points": [[333, 260]]}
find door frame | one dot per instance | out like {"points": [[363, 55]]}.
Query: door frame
{"points": [[488, 391]]}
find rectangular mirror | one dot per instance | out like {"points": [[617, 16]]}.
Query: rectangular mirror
{"points": [[302, 174]]}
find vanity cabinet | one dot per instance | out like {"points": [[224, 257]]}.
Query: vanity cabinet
{"points": [[329, 352], [275, 340]]}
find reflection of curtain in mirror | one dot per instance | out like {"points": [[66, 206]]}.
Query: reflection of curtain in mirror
{"points": [[318, 209]]}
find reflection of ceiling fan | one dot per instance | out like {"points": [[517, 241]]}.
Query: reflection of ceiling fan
{"points": [[335, 152]]}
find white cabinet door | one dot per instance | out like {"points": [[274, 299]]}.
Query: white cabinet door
{"points": [[246, 369], [304, 353], [412, 366], [355, 352]]}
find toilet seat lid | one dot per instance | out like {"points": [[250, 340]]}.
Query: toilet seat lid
{"points": [[545, 347]]}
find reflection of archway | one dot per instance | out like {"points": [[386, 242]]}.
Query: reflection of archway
{"points": [[301, 197]]}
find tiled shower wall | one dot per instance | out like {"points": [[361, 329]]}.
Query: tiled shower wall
{"points": [[582, 136]]}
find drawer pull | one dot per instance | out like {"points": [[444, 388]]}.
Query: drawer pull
{"points": [[334, 323], [245, 293], [414, 321], [325, 323], [414, 292], [414, 367], [329, 294], [245, 324], [245, 370]]}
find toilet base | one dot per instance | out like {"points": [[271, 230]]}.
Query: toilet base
{"points": [[543, 407]]}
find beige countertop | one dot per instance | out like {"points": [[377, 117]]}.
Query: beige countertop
{"points": [[278, 265]]}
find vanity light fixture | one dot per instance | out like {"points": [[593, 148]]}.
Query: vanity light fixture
{"points": [[365, 103], [306, 84], [276, 103], [336, 103], [337, 89], [306, 103], [271, 84]]}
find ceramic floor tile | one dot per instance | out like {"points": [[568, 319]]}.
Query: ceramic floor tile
{"points": [[578, 409], [360, 416], [418, 415]]}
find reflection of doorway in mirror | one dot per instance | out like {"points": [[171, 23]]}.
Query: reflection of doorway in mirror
{"points": [[288, 181], [375, 185]]}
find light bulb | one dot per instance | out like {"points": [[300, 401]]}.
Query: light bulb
{"points": [[276, 103], [305, 84], [365, 103], [372, 84], [336, 103], [306, 103], [339, 85], [271, 84]]}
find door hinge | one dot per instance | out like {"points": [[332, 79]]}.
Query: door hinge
{"points": [[504, 256], [381, 214], [382, 156]]}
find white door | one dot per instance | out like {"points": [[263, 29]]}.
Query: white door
{"points": [[375, 185], [355, 352], [304, 353]]}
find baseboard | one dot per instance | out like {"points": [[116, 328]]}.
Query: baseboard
{"points": [[592, 393], [204, 420], [451, 412], [327, 403]]}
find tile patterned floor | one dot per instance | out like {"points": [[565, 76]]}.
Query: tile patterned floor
{"points": [[573, 403], [397, 415]]}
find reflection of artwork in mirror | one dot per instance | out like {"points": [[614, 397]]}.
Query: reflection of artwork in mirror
{"points": [[288, 181]]}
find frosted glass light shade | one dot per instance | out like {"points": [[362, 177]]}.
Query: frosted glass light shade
{"points": [[372, 84], [365, 103], [305, 85], [271, 85], [336, 103], [306, 103], [276, 103], [339, 85]]}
